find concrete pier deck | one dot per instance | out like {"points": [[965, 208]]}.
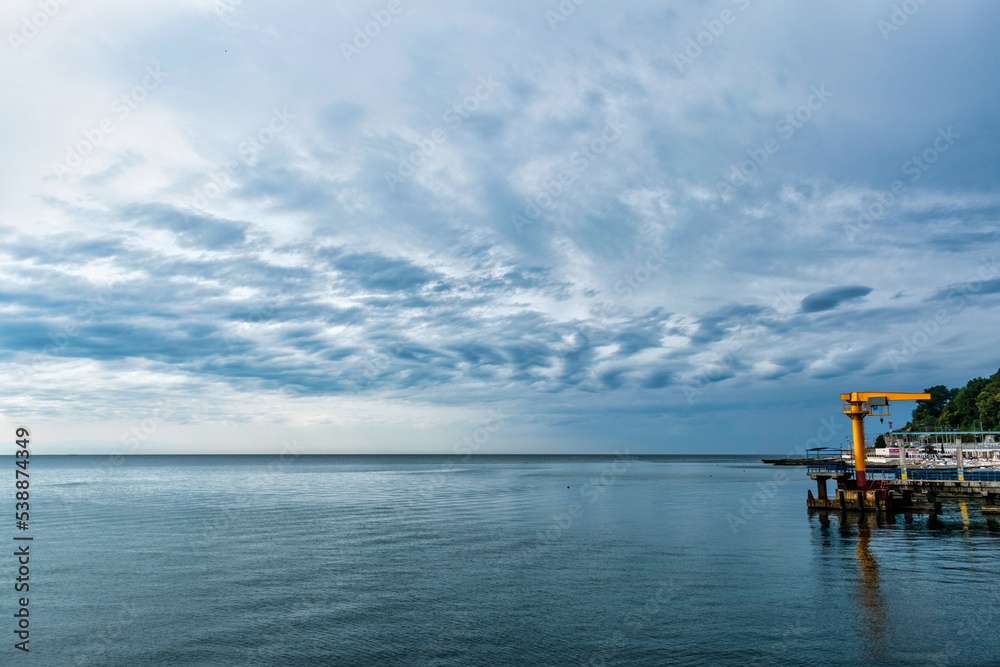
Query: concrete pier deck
{"points": [[921, 491]]}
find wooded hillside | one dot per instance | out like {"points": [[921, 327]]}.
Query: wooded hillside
{"points": [[974, 407]]}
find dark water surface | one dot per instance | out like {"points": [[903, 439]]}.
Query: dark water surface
{"points": [[401, 560]]}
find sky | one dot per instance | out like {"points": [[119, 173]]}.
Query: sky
{"points": [[397, 226]]}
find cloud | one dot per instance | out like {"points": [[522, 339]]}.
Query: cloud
{"points": [[189, 230], [964, 290], [308, 285], [831, 298], [374, 271]]}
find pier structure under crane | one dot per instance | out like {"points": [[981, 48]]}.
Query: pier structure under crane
{"points": [[857, 489]]}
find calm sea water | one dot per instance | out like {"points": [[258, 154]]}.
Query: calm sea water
{"points": [[489, 561]]}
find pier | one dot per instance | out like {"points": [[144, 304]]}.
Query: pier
{"points": [[891, 489], [897, 489]]}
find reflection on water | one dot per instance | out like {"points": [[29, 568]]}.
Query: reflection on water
{"points": [[853, 539], [873, 616], [868, 554]]}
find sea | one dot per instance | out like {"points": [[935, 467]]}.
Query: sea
{"points": [[486, 560]]}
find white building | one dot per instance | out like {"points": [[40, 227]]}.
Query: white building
{"points": [[893, 452]]}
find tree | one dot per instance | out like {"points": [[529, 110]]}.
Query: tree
{"points": [[928, 412], [963, 407], [976, 406], [988, 403], [880, 441]]}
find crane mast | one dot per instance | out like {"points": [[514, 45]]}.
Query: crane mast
{"points": [[857, 406]]}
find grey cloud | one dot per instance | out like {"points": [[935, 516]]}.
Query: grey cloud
{"points": [[378, 272], [190, 229], [961, 291], [714, 326], [831, 298]]}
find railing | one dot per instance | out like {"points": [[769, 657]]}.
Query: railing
{"points": [[828, 459], [924, 475]]}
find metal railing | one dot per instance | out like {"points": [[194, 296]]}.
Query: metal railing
{"points": [[828, 459], [925, 475]]}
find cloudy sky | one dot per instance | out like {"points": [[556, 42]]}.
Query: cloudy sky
{"points": [[386, 226]]}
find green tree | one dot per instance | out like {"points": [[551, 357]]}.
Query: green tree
{"points": [[963, 409], [975, 405], [988, 403], [927, 412]]}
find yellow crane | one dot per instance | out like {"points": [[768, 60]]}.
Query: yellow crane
{"points": [[860, 404]]}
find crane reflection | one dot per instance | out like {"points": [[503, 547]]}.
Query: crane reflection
{"points": [[873, 616], [846, 545]]}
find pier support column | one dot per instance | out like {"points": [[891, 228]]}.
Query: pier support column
{"points": [[990, 507], [960, 457], [821, 487], [932, 499]]}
